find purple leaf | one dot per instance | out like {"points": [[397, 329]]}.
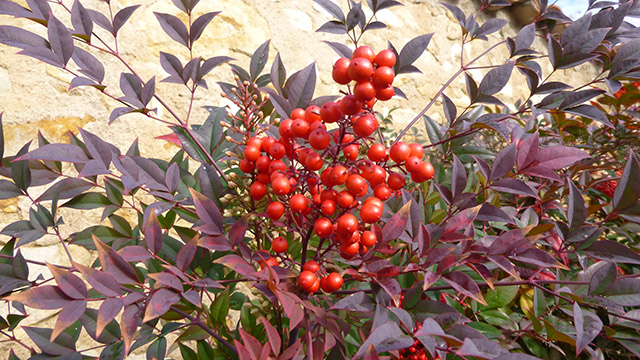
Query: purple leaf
{"points": [[237, 232], [411, 52], [603, 277], [60, 39], [43, 297], [43, 54], [577, 212], [129, 324], [541, 171], [458, 177], [613, 251], [108, 311], [135, 253], [121, 18], [153, 233], [69, 284], [300, 86], [386, 337], [359, 301], [172, 65], [101, 281], [101, 20], [131, 87], [489, 212], [160, 303], [394, 228], [627, 192], [167, 279], [81, 19], [199, 24], [119, 111], [527, 151], [259, 59], [587, 325], [495, 79], [464, 284], [174, 27], [17, 37], [114, 264], [64, 344], [340, 49], [9, 190], [536, 257], [332, 9], [208, 213], [186, 254], [503, 162], [558, 157], [56, 152], [450, 111], [514, 186], [333, 27], [70, 313], [591, 112], [81, 81], [237, 264], [461, 220]]}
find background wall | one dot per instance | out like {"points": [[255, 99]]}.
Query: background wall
{"points": [[35, 97]]}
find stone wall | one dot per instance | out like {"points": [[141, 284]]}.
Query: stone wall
{"points": [[35, 97]]}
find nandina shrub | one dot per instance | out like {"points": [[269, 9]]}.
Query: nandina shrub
{"points": [[353, 243]]}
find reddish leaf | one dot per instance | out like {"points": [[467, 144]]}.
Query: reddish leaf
{"points": [[186, 254], [394, 228], [613, 251], [504, 264], [215, 243], [462, 219], [135, 253], [56, 152], [274, 338], [236, 234], [252, 344], [577, 212], [70, 313], [208, 212], [423, 239], [458, 177], [109, 309], [167, 279], [129, 322], [160, 303], [237, 264], [386, 337], [558, 157], [464, 284], [153, 233], [537, 257], [359, 301], [587, 325], [207, 283], [193, 297], [44, 297], [114, 264], [64, 344], [628, 190], [504, 162], [514, 186], [102, 282], [541, 171], [527, 151], [172, 138], [604, 276], [508, 240], [243, 353], [69, 283], [292, 351]]}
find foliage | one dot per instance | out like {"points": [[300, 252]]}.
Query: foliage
{"points": [[509, 253]]}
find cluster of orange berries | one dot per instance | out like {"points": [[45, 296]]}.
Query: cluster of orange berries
{"points": [[415, 351], [607, 187], [321, 178], [310, 283]]}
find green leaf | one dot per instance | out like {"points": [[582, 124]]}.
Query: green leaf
{"points": [[187, 353], [9, 190], [500, 296], [87, 201], [220, 308], [498, 317], [205, 352], [63, 344], [20, 172], [157, 349]]}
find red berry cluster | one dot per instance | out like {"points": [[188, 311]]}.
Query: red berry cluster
{"points": [[607, 187], [319, 173], [415, 351]]}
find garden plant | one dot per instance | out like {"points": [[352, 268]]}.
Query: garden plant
{"points": [[507, 231]]}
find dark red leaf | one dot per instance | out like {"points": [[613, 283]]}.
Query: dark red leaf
{"points": [[44, 297], [186, 254], [464, 284], [604, 276], [129, 322], [236, 234], [514, 186], [503, 162], [359, 301], [69, 283], [458, 178], [527, 151], [208, 213], [386, 337], [109, 309], [70, 313], [587, 325], [56, 152], [135, 253], [102, 282], [252, 344], [627, 192], [537, 257], [237, 264], [173, 27], [167, 279], [160, 303], [462, 219], [153, 233], [613, 251], [394, 228], [558, 157], [541, 171], [114, 264], [274, 338]]}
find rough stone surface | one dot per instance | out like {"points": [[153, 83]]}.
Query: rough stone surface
{"points": [[35, 97]]}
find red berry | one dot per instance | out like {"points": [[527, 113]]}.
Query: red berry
{"points": [[330, 112], [360, 69], [400, 151], [300, 128], [247, 166], [275, 210], [347, 224], [382, 192], [306, 280], [328, 207], [298, 203], [350, 105], [284, 129], [281, 185], [371, 213], [351, 152], [365, 125], [297, 113], [385, 58], [377, 152], [311, 265], [412, 164], [277, 151], [323, 227], [262, 164], [416, 150], [383, 77], [395, 181], [257, 190], [277, 166], [364, 91], [252, 153], [426, 170], [368, 238], [357, 185], [340, 71], [255, 141], [339, 175], [264, 178], [349, 249], [364, 52], [334, 282], [314, 162], [346, 199], [385, 93], [279, 245], [312, 114], [319, 139]]}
